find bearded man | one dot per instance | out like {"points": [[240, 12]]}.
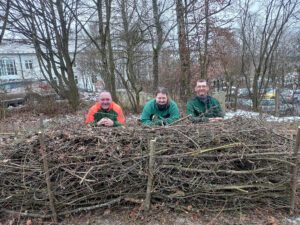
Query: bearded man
{"points": [[161, 110]]}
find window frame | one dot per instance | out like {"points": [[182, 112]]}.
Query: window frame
{"points": [[8, 67], [28, 64]]}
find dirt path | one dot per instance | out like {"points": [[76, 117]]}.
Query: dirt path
{"points": [[132, 216]]}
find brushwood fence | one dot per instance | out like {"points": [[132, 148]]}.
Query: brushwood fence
{"points": [[235, 164]]}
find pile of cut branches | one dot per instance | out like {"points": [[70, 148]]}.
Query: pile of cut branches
{"points": [[234, 164]]}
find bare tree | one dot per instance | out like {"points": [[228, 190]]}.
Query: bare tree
{"points": [[96, 25], [131, 40], [196, 21], [4, 13], [204, 58], [184, 53], [225, 49], [295, 55], [158, 24], [260, 39], [49, 26], [284, 60], [159, 42], [204, 19]]}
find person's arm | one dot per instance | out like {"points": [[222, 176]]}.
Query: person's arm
{"points": [[199, 119], [90, 115], [194, 118], [120, 118], [174, 114], [217, 109], [146, 114], [190, 109]]}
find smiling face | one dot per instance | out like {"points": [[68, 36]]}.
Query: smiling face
{"points": [[161, 99], [201, 88], [105, 100]]}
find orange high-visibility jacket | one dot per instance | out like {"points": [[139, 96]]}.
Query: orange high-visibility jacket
{"points": [[114, 112]]}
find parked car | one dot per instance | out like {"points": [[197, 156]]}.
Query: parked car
{"points": [[243, 93], [245, 103], [296, 96], [268, 106], [13, 93], [231, 90], [270, 93], [286, 95]]}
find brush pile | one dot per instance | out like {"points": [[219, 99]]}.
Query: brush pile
{"points": [[235, 164]]}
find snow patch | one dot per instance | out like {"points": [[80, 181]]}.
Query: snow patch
{"points": [[269, 118]]}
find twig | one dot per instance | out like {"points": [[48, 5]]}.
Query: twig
{"points": [[180, 120], [84, 177], [75, 175], [80, 209], [219, 213]]}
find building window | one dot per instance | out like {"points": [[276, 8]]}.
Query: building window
{"points": [[28, 64], [7, 67]]}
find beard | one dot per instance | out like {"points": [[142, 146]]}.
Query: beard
{"points": [[162, 107]]}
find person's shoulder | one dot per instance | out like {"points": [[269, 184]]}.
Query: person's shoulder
{"points": [[96, 106], [150, 102], [172, 102], [192, 99], [115, 106]]}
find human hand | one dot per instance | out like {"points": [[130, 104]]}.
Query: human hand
{"points": [[160, 122], [216, 119], [198, 119], [105, 122]]}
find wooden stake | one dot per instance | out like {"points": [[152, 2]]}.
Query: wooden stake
{"points": [[150, 175], [295, 172], [46, 171]]}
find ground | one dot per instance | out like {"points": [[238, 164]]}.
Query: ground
{"points": [[132, 216], [17, 122]]}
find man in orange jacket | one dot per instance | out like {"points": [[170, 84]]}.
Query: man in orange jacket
{"points": [[105, 112]]}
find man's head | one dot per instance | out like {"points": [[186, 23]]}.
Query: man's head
{"points": [[105, 99], [161, 96], [201, 88]]}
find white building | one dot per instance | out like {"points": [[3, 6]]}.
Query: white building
{"points": [[18, 61]]}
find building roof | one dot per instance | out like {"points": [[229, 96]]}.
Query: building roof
{"points": [[16, 47], [22, 46]]}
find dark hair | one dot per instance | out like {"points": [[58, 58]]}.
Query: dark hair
{"points": [[162, 90], [202, 80]]}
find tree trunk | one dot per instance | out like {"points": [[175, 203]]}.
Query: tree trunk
{"points": [[4, 18], [155, 68], [158, 45], [184, 55], [204, 61]]}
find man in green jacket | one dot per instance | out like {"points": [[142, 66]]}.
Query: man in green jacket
{"points": [[204, 108], [160, 110]]}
